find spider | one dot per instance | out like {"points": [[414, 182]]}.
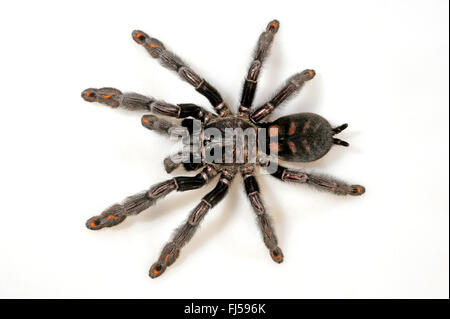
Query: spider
{"points": [[302, 137]]}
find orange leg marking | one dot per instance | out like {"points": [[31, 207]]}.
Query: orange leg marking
{"points": [[111, 217], [93, 224], [154, 45], [107, 96], [146, 121], [167, 257]]}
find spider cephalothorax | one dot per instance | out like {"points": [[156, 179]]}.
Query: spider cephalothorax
{"points": [[302, 137]]}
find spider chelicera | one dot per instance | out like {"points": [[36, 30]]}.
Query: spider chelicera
{"points": [[302, 137]]}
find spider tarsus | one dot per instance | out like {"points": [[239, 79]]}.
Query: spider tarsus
{"points": [[277, 255], [110, 217], [88, 95], [156, 270], [106, 95], [139, 36], [273, 26], [160, 125], [310, 74], [170, 165], [357, 190]]}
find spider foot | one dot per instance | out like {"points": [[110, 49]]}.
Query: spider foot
{"points": [[153, 46], [273, 26], [357, 190], [110, 217], [308, 74], [168, 256], [156, 270], [277, 255], [106, 95], [160, 125]]}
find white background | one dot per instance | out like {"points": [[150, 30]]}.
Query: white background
{"points": [[382, 67]]}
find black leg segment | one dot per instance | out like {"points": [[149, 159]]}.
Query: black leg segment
{"points": [[251, 81], [135, 204], [169, 60]]}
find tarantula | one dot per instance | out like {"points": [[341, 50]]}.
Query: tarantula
{"points": [[302, 137]]}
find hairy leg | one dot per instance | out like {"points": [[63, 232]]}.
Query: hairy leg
{"points": [[134, 101], [190, 161], [269, 237], [251, 81], [163, 126], [169, 60], [293, 84], [173, 161], [183, 234], [135, 204], [322, 182]]}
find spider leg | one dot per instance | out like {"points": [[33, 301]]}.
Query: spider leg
{"points": [[137, 203], [293, 84], [184, 233], [169, 60], [321, 182], [251, 81], [173, 161], [191, 161], [269, 237], [160, 125], [134, 101]]}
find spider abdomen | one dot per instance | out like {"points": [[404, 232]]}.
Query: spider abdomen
{"points": [[302, 137]]}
